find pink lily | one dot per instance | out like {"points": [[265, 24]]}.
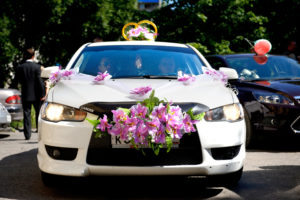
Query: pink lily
{"points": [[103, 124], [159, 112], [119, 116], [188, 124], [138, 110]]}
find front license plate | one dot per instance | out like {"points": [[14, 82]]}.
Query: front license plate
{"points": [[116, 142]]}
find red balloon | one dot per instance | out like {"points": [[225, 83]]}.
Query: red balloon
{"points": [[260, 59], [262, 46]]}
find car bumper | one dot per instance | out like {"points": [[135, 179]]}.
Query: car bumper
{"points": [[275, 118], [77, 135], [5, 120], [16, 112]]}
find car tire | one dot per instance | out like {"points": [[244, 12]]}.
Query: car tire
{"points": [[230, 180], [249, 130]]}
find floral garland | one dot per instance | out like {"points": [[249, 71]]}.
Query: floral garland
{"points": [[60, 74], [151, 123], [217, 75], [220, 76], [185, 78]]}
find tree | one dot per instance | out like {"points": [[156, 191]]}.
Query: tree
{"points": [[213, 26], [57, 28]]}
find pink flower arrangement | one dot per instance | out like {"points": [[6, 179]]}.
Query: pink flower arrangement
{"points": [[217, 75], [141, 91], [101, 77], [60, 74], [151, 123], [141, 33], [185, 78]]}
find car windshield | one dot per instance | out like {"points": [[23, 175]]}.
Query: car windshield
{"points": [[274, 67], [136, 61]]}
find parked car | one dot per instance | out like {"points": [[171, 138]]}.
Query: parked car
{"points": [[269, 90], [11, 99], [5, 117], [68, 142]]}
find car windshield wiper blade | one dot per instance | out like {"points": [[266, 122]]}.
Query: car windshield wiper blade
{"points": [[159, 77], [270, 79], [254, 80], [148, 77]]}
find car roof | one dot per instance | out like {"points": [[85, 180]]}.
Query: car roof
{"points": [[150, 43], [237, 55]]}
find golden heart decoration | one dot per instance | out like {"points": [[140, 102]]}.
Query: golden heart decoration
{"points": [[136, 25]]}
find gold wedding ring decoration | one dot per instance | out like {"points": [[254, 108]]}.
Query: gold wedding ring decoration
{"points": [[138, 24]]}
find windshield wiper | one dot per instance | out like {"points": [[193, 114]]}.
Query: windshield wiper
{"points": [[272, 79], [159, 77], [254, 80], [147, 77]]}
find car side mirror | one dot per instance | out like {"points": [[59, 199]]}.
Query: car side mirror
{"points": [[231, 73], [47, 71]]}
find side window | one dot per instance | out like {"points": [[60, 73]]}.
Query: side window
{"points": [[216, 63]]}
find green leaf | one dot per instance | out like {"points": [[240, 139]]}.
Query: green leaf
{"points": [[126, 110], [195, 117], [94, 122], [98, 133], [199, 116], [151, 102], [169, 142]]}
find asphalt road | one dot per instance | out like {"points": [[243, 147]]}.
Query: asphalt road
{"points": [[272, 171]]}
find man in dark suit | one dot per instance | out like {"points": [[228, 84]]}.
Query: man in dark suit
{"points": [[32, 88]]}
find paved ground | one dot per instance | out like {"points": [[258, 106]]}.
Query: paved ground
{"points": [[272, 171]]}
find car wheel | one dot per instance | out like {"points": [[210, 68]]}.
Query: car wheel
{"points": [[249, 132], [231, 179]]}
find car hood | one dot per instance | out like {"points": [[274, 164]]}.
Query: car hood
{"points": [[290, 87], [80, 90]]}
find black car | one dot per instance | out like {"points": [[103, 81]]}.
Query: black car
{"points": [[269, 90]]}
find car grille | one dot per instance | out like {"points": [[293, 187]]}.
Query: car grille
{"points": [[100, 152]]}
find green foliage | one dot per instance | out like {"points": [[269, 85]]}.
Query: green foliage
{"points": [[199, 47], [98, 133], [151, 102], [20, 124], [195, 117]]}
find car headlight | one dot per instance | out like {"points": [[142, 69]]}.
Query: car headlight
{"points": [[272, 98], [57, 112], [232, 112]]}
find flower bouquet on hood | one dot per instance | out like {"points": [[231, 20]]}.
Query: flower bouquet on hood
{"points": [[152, 123]]}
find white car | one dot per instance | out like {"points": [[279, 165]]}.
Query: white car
{"points": [[5, 117], [68, 145], [11, 99]]}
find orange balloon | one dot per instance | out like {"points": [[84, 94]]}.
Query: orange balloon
{"points": [[262, 46], [260, 59]]}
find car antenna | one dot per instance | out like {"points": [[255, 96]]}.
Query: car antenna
{"points": [[249, 42]]}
